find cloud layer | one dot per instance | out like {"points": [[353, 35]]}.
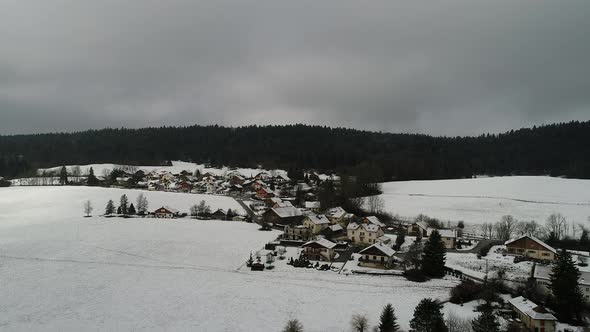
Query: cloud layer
{"points": [[454, 67]]}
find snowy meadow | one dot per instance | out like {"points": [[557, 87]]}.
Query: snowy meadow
{"points": [[61, 271]]}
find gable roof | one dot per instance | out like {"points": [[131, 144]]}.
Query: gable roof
{"points": [[169, 209], [287, 211], [318, 219], [312, 205], [374, 220], [336, 212], [379, 247], [545, 245], [320, 242], [531, 309], [367, 227]]}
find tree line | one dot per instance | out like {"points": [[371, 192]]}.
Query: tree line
{"points": [[554, 149]]}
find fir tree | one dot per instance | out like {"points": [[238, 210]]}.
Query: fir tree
{"points": [[433, 262], [388, 320], [293, 326], [400, 239], [486, 322], [565, 287], [428, 317], [92, 180], [123, 204], [131, 209], [110, 209], [63, 176]]}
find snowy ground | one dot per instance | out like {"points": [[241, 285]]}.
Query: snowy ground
{"points": [[487, 199], [469, 264], [60, 271]]}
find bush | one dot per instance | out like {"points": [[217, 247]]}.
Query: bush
{"points": [[466, 291], [415, 275], [485, 249]]}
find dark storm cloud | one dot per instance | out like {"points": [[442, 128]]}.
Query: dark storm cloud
{"points": [[453, 67]]}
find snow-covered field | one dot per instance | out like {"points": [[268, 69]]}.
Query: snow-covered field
{"points": [[60, 271], [494, 262], [480, 200]]}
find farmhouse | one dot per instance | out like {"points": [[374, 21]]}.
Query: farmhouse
{"points": [[530, 246], [220, 214], [321, 249], [533, 316], [316, 223], [448, 237], [166, 212], [363, 234], [419, 229], [377, 255]]}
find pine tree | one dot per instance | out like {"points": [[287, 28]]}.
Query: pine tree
{"points": [[123, 204], [63, 176], [565, 287], [486, 322], [110, 209], [400, 239], [428, 317], [293, 326], [433, 262], [92, 180], [388, 320], [131, 209]]}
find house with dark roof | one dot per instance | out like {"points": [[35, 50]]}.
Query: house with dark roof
{"points": [[531, 247]]}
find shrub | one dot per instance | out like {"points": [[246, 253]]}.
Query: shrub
{"points": [[466, 291], [415, 275]]}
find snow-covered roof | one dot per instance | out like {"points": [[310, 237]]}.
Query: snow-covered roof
{"points": [[284, 204], [287, 211], [312, 205], [374, 220], [447, 232], [367, 227], [322, 242], [169, 209], [548, 247], [318, 219], [531, 309], [336, 212], [385, 249], [543, 272], [336, 228]]}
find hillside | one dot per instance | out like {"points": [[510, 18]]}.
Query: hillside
{"points": [[480, 200], [558, 149]]}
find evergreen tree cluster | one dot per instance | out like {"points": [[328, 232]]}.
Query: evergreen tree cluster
{"points": [[552, 149]]}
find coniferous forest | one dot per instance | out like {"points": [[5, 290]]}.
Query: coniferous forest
{"points": [[558, 149]]}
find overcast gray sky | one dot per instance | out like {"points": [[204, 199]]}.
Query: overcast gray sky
{"points": [[438, 67]]}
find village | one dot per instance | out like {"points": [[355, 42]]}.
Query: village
{"points": [[329, 238]]}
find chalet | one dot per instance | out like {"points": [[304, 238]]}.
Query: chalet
{"points": [[297, 232], [313, 206], [264, 193], [364, 234], [418, 229], [321, 249], [316, 223], [272, 201], [262, 176], [236, 179], [534, 317], [372, 220], [283, 216], [220, 214], [377, 255], [282, 178], [530, 246], [256, 185], [166, 212], [184, 186]]}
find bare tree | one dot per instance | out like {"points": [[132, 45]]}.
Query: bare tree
{"points": [[142, 204], [88, 208], [487, 230], [557, 225], [375, 203], [505, 227], [457, 324], [530, 228], [359, 323]]}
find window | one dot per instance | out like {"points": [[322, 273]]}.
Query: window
{"points": [[375, 257], [382, 259], [531, 251], [545, 254]]}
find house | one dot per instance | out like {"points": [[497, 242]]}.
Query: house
{"points": [[321, 249], [236, 179], [282, 178], [264, 193], [541, 276], [363, 234], [372, 220], [334, 233], [534, 317], [297, 232], [530, 246], [448, 237], [418, 229], [313, 206], [283, 204], [316, 223], [220, 214], [263, 176], [184, 186], [336, 215], [283, 216], [378, 255], [166, 212]]}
